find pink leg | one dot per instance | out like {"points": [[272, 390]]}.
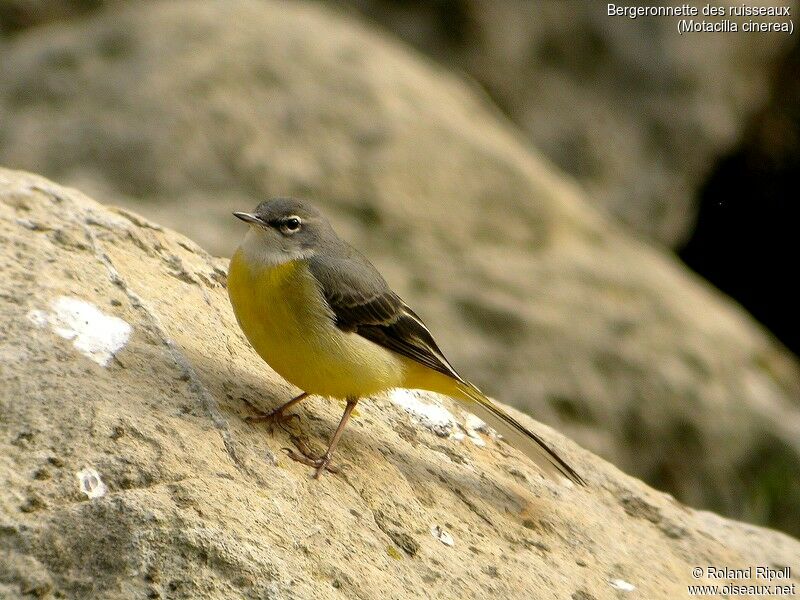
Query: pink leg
{"points": [[323, 462]]}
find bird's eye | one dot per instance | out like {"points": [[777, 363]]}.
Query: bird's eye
{"points": [[290, 225]]}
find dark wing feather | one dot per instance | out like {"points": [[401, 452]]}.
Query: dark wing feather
{"points": [[363, 303], [408, 336]]}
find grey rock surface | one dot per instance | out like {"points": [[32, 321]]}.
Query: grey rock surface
{"points": [[129, 471], [190, 110]]}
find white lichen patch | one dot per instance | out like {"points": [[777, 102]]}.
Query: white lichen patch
{"points": [[442, 535], [429, 414], [473, 425], [621, 584], [438, 419], [471, 422], [91, 484], [93, 333]]}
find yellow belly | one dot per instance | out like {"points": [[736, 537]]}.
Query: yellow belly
{"points": [[285, 318]]}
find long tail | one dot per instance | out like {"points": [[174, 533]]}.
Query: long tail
{"points": [[517, 434]]}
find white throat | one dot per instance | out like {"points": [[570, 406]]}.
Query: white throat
{"points": [[258, 251]]}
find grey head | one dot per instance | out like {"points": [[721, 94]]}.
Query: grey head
{"points": [[285, 229]]}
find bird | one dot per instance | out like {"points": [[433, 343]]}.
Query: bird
{"points": [[321, 315]]}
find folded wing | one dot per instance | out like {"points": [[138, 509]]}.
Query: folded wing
{"points": [[362, 302]]}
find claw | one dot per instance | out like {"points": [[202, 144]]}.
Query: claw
{"points": [[275, 417], [322, 463], [278, 415], [304, 456]]}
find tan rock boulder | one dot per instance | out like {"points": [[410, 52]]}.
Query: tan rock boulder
{"points": [[129, 470], [189, 110]]}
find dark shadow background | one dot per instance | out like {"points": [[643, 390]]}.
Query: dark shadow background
{"points": [[745, 241]]}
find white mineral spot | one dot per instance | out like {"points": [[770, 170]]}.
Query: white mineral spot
{"points": [[442, 535], [90, 483], [475, 438], [472, 425], [93, 333], [429, 414], [621, 584], [478, 424]]}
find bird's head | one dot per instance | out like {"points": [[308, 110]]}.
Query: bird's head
{"points": [[284, 229]]}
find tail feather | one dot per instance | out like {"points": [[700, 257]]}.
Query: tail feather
{"points": [[518, 435]]}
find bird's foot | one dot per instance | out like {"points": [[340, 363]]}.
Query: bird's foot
{"points": [[304, 455], [272, 418]]}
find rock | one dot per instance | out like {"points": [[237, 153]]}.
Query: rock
{"points": [[633, 110], [532, 295], [157, 487]]}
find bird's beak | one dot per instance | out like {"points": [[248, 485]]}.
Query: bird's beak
{"points": [[248, 218]]}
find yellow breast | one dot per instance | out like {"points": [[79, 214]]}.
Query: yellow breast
{"points": [[286, 319]]}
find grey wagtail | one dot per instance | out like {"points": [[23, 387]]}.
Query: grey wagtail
{"points": [[320, 314]]}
